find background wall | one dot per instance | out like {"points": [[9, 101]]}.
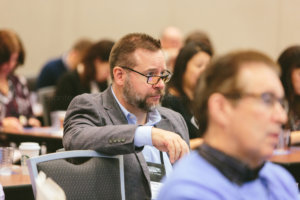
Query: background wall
{"points": [[50, 27]]}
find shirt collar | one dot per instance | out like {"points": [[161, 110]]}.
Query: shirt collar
{"points": [[153, 116], [233, 169]]}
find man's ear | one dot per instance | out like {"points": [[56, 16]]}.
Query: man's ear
{"points": [[119, 75], [219, 109]]}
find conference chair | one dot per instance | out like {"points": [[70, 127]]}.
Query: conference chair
{"points": [[100, 177], [31, 83], [45, 96]]}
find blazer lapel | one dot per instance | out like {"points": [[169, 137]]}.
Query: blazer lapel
{"points": [[112, 107], [165, 124], [117, 117], [144, 166]]}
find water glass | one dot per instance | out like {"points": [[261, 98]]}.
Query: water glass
{"points": [[284, 139], [6, 160]]}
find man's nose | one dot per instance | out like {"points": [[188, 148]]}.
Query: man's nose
{"points": [[159, 84]]}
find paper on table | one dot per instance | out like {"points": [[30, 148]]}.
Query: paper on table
{"points": [[281, 152], [47, 189], [49, 130]]}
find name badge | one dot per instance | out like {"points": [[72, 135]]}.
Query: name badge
{"points": [[157, 172]]}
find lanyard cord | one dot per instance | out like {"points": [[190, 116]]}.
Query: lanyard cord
{"points": [[161, 158]]}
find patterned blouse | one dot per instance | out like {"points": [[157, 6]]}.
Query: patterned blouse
{"points": [[17, 102]]}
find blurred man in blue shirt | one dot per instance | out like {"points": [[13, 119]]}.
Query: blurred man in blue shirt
{"points": [[53, 69], [239, 110]]}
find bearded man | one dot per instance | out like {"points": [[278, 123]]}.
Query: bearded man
{"points": [[126, 119]]}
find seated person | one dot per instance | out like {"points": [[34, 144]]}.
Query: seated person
{"points": [[126, 118], [239, 110], [15, 106], [91, 78], [55, 68], [200, 36], [289, 61], [171, 41], [191, 61]]}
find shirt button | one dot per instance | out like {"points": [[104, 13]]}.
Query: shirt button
{"points": [[122, 140]]}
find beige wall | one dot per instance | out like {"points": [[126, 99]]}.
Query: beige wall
{"points": [[49, 27]]}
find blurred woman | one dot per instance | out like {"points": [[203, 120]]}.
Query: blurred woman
{"points": [[200, 36], [15, 106], [192, 59], [90, 77], [289, 61]]}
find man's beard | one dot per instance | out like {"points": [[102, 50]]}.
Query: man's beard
{"points": [[134, 99]]}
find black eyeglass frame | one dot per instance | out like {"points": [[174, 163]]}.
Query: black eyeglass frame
{"points": [[165, 78], [267, 98]]}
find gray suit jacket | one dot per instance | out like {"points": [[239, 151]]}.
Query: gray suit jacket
{"points": [[95, 121]]}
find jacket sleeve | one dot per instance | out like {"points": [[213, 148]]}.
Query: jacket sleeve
{"points": [[88, 126]]}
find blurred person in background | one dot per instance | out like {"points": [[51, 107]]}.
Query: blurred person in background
{"points": [[171, 41], [200, 36], [15, 106], [240, 111], [55, 68], [289, 61], [93, 76], [191, 61]]}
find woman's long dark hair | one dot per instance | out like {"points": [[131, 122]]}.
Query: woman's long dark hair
{"points": [[289, 60], [184, 56]]}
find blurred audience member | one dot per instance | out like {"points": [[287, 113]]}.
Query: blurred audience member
{"points": [[15, 106], [191, 61], [289, 61], [93, 77], [239, 110], [171, 41], [53, 69], [199, 36]]}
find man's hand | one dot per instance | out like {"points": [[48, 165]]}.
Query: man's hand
{"points": [[170, 142]]}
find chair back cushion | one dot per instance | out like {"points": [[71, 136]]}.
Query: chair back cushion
{"points": [[97, 178]]}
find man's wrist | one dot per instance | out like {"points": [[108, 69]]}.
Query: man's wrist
{"points": [[143, 136]]}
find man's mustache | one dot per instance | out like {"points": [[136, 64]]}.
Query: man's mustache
{"points": [[159, 92]]}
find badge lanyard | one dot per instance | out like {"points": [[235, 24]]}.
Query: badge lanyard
{"points": [[157, 172]]}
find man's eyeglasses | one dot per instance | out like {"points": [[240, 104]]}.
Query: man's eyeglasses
{"points": [[151, 79], [267, 98]]}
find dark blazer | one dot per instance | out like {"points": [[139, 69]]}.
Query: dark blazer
{"points": [[95, 121]]}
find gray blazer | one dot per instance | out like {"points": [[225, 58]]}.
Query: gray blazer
{"points": [[96, 122]]}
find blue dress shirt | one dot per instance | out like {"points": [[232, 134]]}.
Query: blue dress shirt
{"points": [[143, 136]]}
